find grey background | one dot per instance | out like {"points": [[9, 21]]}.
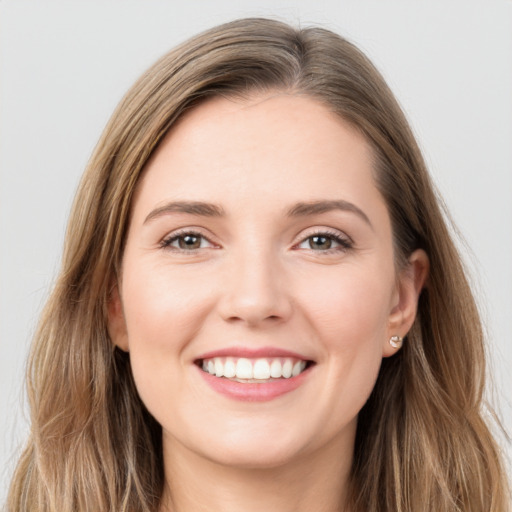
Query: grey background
{"points": [[64, 66]]}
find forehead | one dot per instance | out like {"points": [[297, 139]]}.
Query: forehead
{"points": [[229, 148]]}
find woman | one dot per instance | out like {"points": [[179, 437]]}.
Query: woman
{"points": [[259, 292]]}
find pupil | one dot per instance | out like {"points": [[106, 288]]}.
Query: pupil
{"points": [[320, 242], [189, 242]]}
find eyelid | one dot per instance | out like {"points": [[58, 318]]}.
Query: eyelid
{"points": [[168, 239], [338, 236], [345, 242]]}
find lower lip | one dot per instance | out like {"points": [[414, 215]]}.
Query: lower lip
{"points": [[253, 392]]}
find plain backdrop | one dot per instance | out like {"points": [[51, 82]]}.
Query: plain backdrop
{"points": [[64, 66]]}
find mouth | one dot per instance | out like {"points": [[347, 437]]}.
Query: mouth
{"points": [[259, 370]]}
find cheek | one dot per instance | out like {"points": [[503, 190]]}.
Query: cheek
{"points": [[162, 307], [346, 310], [163, 312], [349, 313], [350, 307]]}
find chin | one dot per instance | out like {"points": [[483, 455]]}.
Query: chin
{"points": [[256, 457], [262, 449]]}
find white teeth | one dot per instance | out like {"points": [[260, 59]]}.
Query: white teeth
{"points": [[276, 369], [219, 367], [297, 368], [287, 369], [229, 368], [261, 369], [244, 369]]}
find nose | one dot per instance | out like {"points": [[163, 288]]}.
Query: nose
{"points": [[255, 292]]}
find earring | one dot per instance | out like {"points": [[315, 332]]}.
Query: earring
{"points": [[396, 341]]}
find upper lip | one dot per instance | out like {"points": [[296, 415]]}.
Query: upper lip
{"points": [[252, 353]]}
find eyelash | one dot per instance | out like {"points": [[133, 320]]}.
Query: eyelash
{"points": [[166, 243], [344, 243]]}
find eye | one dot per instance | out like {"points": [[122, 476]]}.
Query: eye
{"points": [[325, 242], [186, 241]]}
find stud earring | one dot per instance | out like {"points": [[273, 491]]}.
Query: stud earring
{"points": [[396, 341]]}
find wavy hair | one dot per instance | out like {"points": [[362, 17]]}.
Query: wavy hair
{"points": [[422, 444]]}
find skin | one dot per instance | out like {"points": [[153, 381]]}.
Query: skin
{"points": [[258, 279]]}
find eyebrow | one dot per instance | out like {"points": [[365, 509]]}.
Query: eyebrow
{"points": [[301, 209], [191, 207], [317, 207]]}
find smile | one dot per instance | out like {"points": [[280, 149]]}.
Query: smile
{"points": [[253, 375], [258, 370]]}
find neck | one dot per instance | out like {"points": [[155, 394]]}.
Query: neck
{"points": [[315, 481]]}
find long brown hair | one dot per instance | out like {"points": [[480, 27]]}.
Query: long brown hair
{"points": [[421, 443]]}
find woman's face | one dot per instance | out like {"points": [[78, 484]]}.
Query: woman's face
{"points": [[258, 289]]}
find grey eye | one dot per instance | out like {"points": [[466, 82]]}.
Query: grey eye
{"points": [[186, 242], [320, 242], [189, 242], [325, 242]]}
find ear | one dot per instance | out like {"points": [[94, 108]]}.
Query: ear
{"points": [[116, 322], [410, 282]]}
